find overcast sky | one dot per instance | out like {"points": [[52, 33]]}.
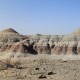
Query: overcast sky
{"points": [[40, 16]]}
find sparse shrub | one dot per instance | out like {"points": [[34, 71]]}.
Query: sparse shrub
{"points": [[3, 65], [13, 64], [16, 64]]}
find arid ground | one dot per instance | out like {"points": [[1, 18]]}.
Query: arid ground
{"points": [[39, 57], [40, 67]]}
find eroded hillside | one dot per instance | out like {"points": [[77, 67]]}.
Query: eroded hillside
{"points": [[13, 44]]}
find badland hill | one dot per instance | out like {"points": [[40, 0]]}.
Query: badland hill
{"points": [[14, 44]]}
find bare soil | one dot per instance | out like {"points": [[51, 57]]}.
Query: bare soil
{"points": [[40, 68]]}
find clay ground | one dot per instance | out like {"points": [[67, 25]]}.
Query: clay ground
{"points": [[42, 68]]}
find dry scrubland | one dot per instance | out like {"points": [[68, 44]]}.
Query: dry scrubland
{"points": [[41, 67]]}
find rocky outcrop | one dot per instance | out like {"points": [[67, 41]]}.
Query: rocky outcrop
{"points": [[13, 42], [43, 47]]}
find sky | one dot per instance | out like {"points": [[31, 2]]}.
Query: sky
{"points": [[40, 16]]}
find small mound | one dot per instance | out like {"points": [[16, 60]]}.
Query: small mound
{"points": [[10, 36], [9, 30]]}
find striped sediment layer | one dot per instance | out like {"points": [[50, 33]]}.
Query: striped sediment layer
{"points": [[16, 44]]}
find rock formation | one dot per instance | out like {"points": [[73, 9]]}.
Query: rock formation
{"points": [[20, 45]]}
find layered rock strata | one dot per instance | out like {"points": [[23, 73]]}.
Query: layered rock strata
{"points": [[19, 45]]}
